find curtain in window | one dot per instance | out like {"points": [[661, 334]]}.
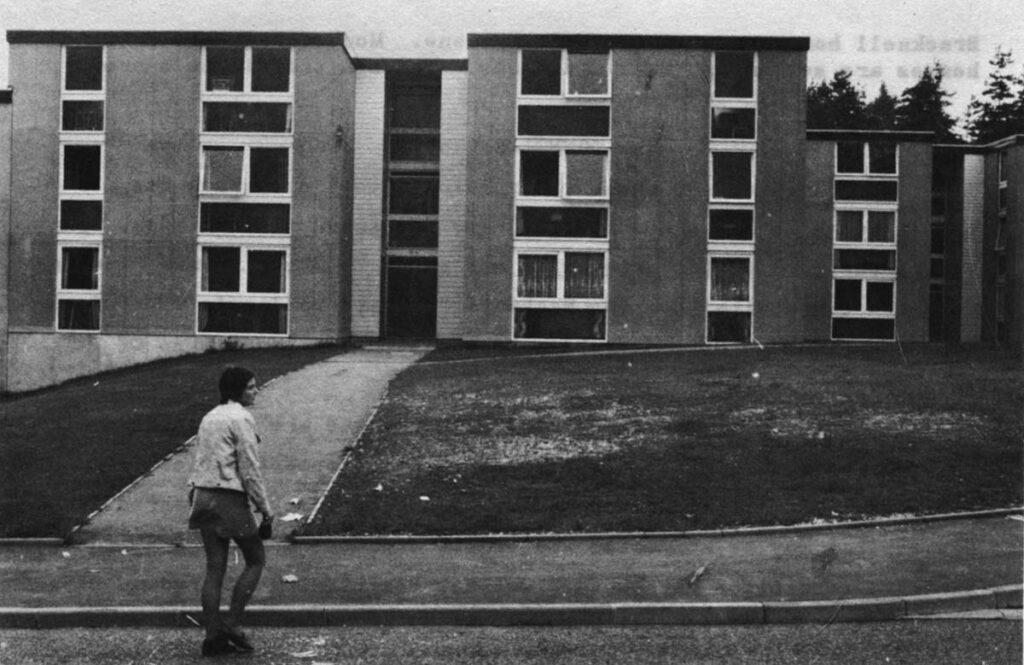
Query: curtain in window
{"points": [[730, 280], [538, 277], [584, 275]]}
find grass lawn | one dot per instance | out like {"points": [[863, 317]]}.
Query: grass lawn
{"points": [[683, 440], [65, 450]]}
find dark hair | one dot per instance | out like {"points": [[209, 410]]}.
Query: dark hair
{"points": [[233, 382]]}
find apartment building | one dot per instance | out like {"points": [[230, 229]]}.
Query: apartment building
{"points": [[172, 191]]}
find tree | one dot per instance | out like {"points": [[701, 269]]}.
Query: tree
{"points": [[922, 107], [881, 111], [999, 111], [836, 104]]}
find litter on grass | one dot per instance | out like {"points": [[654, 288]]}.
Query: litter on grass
{"points": [[289, 579], [291, 517]]}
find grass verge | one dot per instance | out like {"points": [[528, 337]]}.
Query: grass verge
{"points": [[677, 440], [65, 450]]}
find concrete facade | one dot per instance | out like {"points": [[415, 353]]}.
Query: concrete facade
{"points": [[658, 274]]}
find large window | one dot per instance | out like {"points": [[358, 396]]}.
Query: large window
{"points": [[78, 287], [866, 157], [732, 175], [247, 89], [245, 190], [561, 72], [733, 96], [730, 298], [864, 272], [80, 211], [243, 288], [563, 173]]}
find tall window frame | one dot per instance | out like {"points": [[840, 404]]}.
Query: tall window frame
{"points": [[565, 93], [731, 220], [78, 309], [243, 311]]}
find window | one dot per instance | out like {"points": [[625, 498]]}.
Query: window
{"points": [[731, 123], [730, 279], [82, 116], [564, 173], [80, 211], [865, 240], [564, 121], [248, 69], [243, 288], [83, 68], [559, 324], [247, 90], [730, 298], [732, 175], [1003, 182], [246, 169], [731, 224], [545, 222], [866, 157], [563, 274], [245, 190], [566, 73], [78, 287], [734, 75], [83, 167]]}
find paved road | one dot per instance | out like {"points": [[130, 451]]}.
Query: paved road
{"points": [[909, 642]]}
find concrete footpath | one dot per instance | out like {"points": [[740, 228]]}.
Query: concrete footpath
{"points": [[135, 563]]}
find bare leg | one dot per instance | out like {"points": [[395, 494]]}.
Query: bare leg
{"points": [[255, 558], [216, 566]]}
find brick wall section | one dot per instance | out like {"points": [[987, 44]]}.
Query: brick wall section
{"points": [[151, 197], [785, 280], [970, 285], [816, 302], [490, 168], [317, 264], [35, 171], [368, 191], [659, 194], [913, 241], [452, 206]]}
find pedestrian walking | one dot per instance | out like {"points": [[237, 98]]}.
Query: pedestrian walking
{"points": [[226, 485]]}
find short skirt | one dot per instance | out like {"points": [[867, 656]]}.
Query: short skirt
{"points": [[225, 511]]}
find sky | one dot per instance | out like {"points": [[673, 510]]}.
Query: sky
{"points": [[888, 41]]}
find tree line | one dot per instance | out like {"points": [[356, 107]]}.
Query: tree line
{"points": [[996, 113]]}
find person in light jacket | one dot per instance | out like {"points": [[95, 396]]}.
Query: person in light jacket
{"points": [[225, 480]]}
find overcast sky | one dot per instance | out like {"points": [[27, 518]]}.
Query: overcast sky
{"points": [[879, 40]]}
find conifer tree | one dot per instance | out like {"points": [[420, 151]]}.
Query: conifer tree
{"points": [[836, 104], [922, 107], [999, 111], [881, 111]]}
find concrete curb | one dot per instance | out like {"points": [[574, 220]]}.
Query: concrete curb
{"points": [[557, 614], [715, 533]]}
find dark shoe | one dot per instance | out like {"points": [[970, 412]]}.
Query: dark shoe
{"points": [[218, 645], [238, 639]]}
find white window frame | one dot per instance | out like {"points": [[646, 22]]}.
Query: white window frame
{"points": [[247, 92], [564, 97], [732, 147], [730, 305], [748, 102], [78, 240], [864, 278], [78, 141], [82, 94], [560, 301], [245, 183], [245, 244], [720, 245], [866, 173], [562, 149], [864, 242], [732, 103]]}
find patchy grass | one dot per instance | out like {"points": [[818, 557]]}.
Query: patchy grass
{"points": [[65, 450], [671, 440]]}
